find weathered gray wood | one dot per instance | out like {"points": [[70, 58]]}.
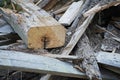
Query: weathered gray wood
{"points": [[73, 27], [77, 35], [34, 63], [111, 59], [79, 16], [89, 62], [43, 3], [66, 57], [6, 29], [71, 13], [2, 22]]}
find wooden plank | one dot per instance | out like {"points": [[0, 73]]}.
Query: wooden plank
{"points": [[35, 26], [108, 59], [111, 59], [38, 64], [77, 35], [71, 13]]}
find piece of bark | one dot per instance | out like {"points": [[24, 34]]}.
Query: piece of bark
{"points": [[68, 16], [35, 26], [101, 6], [77, 35], [89, 62]]}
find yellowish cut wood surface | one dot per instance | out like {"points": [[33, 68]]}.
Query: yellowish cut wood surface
{"points": [[46, 37]]}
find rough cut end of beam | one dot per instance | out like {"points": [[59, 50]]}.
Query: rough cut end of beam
{"points": [[43, 32], [46, 37]]}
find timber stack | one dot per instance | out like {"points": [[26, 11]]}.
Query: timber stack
{"points": [[60, 40]]}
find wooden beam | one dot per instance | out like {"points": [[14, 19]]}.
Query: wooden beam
{"points": [[35, 63], [71, 13], [35, 26], [39, 64]]}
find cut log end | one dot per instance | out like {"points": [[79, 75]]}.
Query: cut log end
{"points": [[46, 37]]}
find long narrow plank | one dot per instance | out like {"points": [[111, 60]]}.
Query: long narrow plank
{"points": [[68, 17], [34, 63], [77, 35], [109, 59]]}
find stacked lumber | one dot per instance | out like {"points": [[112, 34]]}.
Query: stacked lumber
{"points": [[60, 39]]}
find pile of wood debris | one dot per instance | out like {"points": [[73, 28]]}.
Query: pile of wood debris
{"points": [[60, 39]]}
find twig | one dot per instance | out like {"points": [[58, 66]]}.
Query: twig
{"points": [[38, 2], [106, 31], [115, 37]]}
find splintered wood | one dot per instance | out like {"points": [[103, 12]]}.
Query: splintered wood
{"points": [[35, 26], [89, 63]]}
